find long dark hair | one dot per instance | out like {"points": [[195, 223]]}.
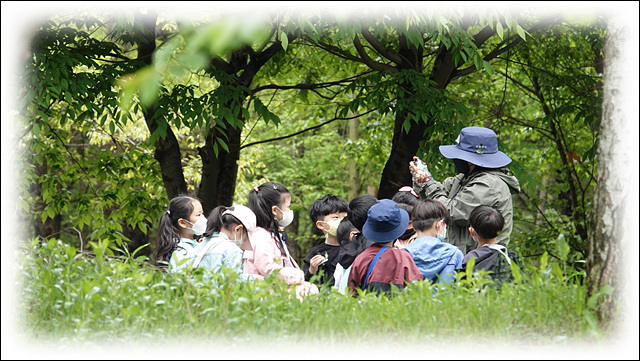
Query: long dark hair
{"points": [[216, 220], [261, 199], [168, 232]]}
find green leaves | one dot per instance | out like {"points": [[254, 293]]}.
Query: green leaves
{"points": [[85, 102], [284, 39], [500, 30], [263, 112], [144, 82]]}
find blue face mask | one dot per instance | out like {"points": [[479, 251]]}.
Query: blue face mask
{"points": [[442, 237]]}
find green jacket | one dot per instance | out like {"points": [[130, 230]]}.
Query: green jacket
{"points": [[462, 194]]}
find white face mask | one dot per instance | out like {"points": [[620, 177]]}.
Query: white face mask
{"points": [[200, 226], [287, 218], [238, 242]]}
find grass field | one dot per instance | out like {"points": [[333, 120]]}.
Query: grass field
{"points": [[74, 300]]}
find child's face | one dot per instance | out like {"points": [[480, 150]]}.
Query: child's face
{"points": [[331, 218], [286, 202], [279, 209], [196, 213], [334, 216]]}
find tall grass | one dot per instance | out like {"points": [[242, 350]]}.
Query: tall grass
{"points": [[74, 296]]}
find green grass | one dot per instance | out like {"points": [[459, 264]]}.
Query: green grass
{"points": [[66, 295]]}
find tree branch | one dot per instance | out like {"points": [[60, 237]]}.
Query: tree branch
{"points": [[308, 86], [381, 49], [370, 62], [483, 35], [220, 64], [501, 48], [332, 49], [518, 83], [257, 60], [510, 119], [306, 130]]}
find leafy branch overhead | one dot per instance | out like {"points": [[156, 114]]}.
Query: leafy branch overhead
{"points": [[122, 112]]}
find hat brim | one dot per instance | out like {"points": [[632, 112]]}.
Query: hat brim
{"points": [[388, 236], [485, 160]]}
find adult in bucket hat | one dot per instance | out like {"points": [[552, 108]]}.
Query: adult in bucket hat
{"points": [[483, 179], [381, 265]]}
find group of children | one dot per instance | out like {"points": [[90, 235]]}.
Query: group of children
{"points": [[240, 239], [370, 244], [380, 243]]}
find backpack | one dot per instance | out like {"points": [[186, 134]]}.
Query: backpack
{"points": [[498, 263]]}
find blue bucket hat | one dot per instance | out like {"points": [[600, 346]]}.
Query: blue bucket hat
{"points": [[477, 145], [385, 221]]}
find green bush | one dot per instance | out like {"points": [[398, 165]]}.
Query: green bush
{"points": [[77, 297]]}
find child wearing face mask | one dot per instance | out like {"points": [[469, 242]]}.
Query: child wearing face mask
{"points": [[326, 214], [345, 234], [181, 225], [270, 203], [437, 260], [406, 198], [352, 241], [228, 234], [410, 234]]}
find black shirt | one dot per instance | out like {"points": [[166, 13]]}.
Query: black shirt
{"points": [[326, 269]]}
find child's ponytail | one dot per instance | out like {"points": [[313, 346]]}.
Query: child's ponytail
{"points": [[168, 232]]}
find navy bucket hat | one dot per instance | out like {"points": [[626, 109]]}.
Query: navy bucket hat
{"points": [[385, 221], [477, 145]]}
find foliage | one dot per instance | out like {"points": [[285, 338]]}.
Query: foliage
{"points": [[78, 297], [546, 111], [68, 99], [85, 86]]}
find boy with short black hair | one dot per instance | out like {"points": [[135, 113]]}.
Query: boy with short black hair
{"points": [[485, 224], [326, 214]]}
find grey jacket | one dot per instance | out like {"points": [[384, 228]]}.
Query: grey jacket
{"points": [[462, 194]]}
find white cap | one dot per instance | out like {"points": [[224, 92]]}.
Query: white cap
{"points": [[248, 219]]}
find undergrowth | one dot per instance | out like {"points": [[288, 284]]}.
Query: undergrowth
{"points": [[76, 296]]}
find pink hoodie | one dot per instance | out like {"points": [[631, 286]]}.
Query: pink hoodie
{"points": [[266, 258]]}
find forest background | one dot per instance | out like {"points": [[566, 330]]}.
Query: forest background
{"points": [[300, 214]]}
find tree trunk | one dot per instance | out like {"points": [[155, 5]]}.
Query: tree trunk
{"points": [[219, 174], [403, 146], [218, 181], [167, 154], [617, 189], [167, 151], [354, 175]]}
